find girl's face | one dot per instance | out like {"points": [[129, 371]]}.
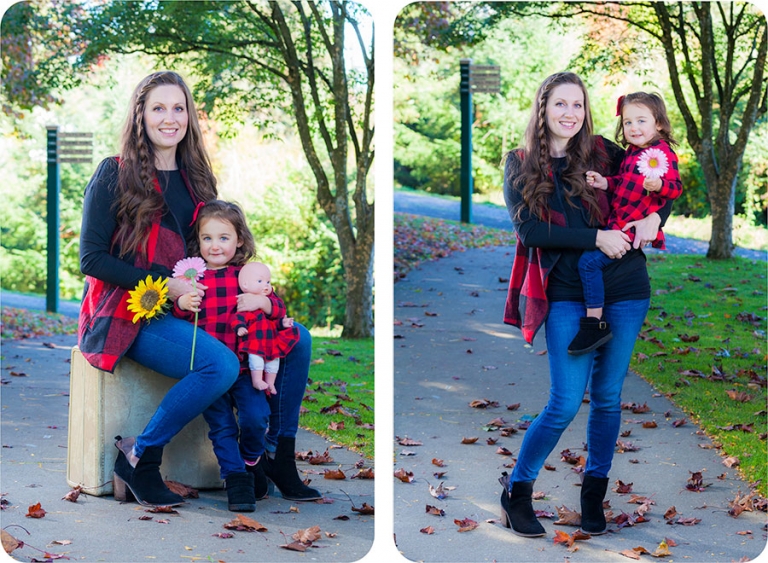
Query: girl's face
{"points": [[565, 115], [218, 242], [165, 121], [640, 126]]}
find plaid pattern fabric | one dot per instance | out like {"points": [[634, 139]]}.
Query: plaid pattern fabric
{"points": [[527, 305], [105, 328], [264, 338], [218, 310], [629, 200]]}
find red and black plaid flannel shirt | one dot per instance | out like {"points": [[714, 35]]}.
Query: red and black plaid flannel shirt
{"points": [[219, 305], [630, 201]]}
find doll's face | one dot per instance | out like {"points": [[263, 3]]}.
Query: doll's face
{"points": [[255, 278]]}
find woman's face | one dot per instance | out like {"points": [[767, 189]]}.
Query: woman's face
{"points": [[218, 242], [165, 121], [565, 116]]}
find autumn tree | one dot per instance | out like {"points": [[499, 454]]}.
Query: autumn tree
{"points": [[253, 55]]}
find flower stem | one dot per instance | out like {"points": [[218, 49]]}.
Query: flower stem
{"points": [[194, 335]]}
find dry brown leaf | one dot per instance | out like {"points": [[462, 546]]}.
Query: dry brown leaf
{"points": [[366, 509], [295, 546], [429, 530], [364, 473], [9, 542], [567, 517], [466, 440], [308, 535], [244, 524], [335, 474], [434, 510], [73, 495], [404, 476], [35, 511], [466, 525], [185, 491], [438, 462]]}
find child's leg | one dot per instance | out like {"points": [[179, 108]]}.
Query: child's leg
{"points": [[256, 364], [270, 374], [591, 265], [593, 330]]}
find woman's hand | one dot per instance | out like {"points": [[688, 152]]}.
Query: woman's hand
{"points": [[253, 302], [178, 287], [614, 244], [646, 230]]}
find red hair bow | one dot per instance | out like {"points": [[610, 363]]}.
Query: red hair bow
{"points": [[618, 105]]}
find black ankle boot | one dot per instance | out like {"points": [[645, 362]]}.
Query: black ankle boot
{"points": [[142, 482], [517, 509], [240, 495], [592, 334], [260, 482], [281, 470], [592, 495]]}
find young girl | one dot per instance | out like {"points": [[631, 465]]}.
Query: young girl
{"points": [[648, 178], [222, 238]]}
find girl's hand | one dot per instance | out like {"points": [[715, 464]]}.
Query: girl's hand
{"points": [[646, 230], [596, 180], [177, 288], [252, 302], [614, 244], [287, 322], [652, 184], [190, 302]]}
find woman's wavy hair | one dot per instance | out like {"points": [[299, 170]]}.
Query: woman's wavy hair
{"points": [[535, 173], [232, 214], [138, 202], [653, 102]]}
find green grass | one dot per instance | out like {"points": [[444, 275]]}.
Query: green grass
{"points": [[341, 380], [705, 337]]}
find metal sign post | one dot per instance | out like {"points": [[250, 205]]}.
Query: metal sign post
{"points": [[480, 79], [67, 148]]}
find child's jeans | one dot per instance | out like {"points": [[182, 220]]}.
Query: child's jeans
{"points": [[591, 265]]}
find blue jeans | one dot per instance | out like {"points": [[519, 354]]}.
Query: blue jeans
{"points": [[260, 421], [165, 345], [603, 370], [291, 383], [591, 265]]}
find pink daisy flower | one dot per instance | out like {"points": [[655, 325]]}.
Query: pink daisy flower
{"points": [[653, 163], [191, 268]]}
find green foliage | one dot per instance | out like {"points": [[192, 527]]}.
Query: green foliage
{"points": [[298, 243], [704, 340], [341, 390]]}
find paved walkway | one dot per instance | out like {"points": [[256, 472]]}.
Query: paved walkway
{"points": [[35, 403], [451, 349]]}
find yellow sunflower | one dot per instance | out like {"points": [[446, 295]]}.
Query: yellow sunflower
{"points": [[149, 298]]}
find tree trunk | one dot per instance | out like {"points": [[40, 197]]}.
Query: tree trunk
{"points": [[722, 196], [358, 273]]}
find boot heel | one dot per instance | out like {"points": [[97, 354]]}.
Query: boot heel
{"points": [[118, 485]]}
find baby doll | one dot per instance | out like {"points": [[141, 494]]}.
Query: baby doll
{"points": [[264, 340]]}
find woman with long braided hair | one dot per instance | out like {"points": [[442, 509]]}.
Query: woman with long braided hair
{"points": [[138, 214], [557, 216]]}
